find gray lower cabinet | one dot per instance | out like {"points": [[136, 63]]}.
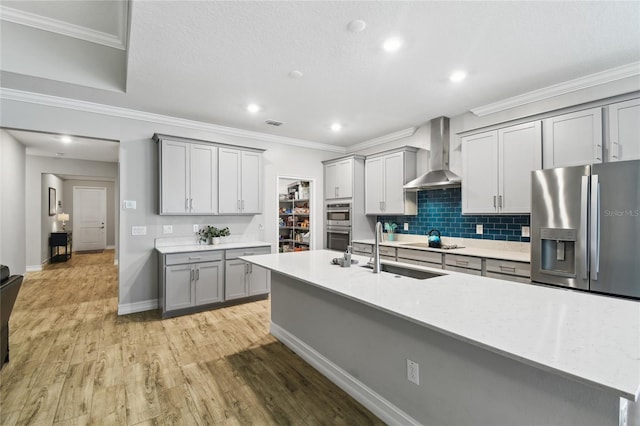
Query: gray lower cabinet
{"points": [[431, 259], [509, 270], [193, 281], [199, 280], [243, 279]]}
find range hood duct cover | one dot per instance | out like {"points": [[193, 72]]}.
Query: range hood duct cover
{"points": [[439, 176]]}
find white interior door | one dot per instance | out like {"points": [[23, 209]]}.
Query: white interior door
{"points": [[89, 218]]}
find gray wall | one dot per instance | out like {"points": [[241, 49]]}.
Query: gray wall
{"points": [[12, 204], [35, 205], [67, 205], [49, 224]]}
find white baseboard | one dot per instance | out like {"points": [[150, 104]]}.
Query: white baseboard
{"points": [[115, 262], [34, 268], [378, 405], [131, 308], [110, 248]]}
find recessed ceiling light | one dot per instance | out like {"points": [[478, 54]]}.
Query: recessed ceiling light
{"points": [[253, 108], [295, 74], [336, 127], [357, 26], [392, 44], [458, 76], [65, 139]]}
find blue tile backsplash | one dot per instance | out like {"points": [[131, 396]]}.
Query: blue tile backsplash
{"points": [[441, 209]]}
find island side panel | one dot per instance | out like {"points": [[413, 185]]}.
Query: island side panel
{"points": [[459, 383]]}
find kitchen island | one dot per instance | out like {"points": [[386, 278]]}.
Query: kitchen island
{"points": [[489, 351]]}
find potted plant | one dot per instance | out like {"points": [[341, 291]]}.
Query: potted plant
{"points": [[390, 228]]}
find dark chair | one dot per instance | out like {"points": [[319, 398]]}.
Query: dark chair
{"points": [[9, 288]]}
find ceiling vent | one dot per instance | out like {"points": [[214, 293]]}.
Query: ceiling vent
{"points": [[274, 123]]}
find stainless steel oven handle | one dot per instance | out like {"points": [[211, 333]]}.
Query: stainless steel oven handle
{"points": [[330, 231], [595, 227], [584, 202]]}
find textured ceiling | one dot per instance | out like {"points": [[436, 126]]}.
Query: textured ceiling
{"points": [[206, 61]]}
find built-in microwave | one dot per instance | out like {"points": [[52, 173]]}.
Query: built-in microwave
{"points": [[338, 214]]}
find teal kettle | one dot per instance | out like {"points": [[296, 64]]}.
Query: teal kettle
{"points": [[434, 239]]}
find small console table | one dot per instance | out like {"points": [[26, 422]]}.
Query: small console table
{"points": [[57, 240]]}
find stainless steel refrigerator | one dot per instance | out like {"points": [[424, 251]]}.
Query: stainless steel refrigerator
{"points": [[585, 227]]}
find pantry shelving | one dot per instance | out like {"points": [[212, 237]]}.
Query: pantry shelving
{"points": [[294, 218]]}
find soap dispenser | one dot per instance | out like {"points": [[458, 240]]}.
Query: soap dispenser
{"points": [[347, 258]]}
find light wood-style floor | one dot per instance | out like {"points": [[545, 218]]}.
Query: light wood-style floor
{"points": [[74, 361]]}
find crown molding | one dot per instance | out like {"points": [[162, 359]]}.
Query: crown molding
{"points": [[74, 104], [65, 28], [618, 73], [382, 139]]}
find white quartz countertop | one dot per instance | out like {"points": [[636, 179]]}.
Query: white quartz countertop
{"points": [[467, 251], [586, 337], [186, 248]]}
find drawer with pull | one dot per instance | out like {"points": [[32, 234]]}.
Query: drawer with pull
{"points": [[388, 252], [422, 255], [522, 269], [246, 251], [467, 262], [193, 257], [516, 278], [360, 248]]}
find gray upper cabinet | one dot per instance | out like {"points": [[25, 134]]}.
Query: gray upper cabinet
{"points": [[624, 131], [338, 179], [385, 176], [188, 182], [497, 166], [573, 139], [240, 181]]}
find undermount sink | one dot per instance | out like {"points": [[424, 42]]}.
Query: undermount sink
{"points": [[406, 272]]}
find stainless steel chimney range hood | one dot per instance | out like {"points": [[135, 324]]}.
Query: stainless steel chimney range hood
{"points": [[439, 176]]}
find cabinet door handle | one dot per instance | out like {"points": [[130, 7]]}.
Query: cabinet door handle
{"points": [[508, 268], [598, 152], [238, 205], [191, 275], [242, 205], [615, 150], [494, 201], [197, 274], [335, 191], [186, 204], [462, 262], [500, 201], [195, 258], [191, 203]]}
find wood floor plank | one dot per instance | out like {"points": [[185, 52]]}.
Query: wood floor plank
{"points": [[74, 361]]}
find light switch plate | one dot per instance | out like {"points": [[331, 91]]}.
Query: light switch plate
{"points": [[406, 226], [525, 231], [138, 230], [129, 204], [196, 228], [479, 229], [167, 229]]}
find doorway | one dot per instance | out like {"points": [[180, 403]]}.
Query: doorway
{"points": [[296, 216], [90, 218]]}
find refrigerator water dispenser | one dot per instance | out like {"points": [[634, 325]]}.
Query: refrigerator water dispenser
{"points": [[558, 251]]}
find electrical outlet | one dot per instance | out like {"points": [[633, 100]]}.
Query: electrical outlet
{"points": [[406, 226], [479, 229], [525, 231], [167, 229], [138, 230], [413, 372], [196, 228]]}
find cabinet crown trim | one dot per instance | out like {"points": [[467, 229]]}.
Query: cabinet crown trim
{"points": [[393, 151], [346, 157], [160, 137]]}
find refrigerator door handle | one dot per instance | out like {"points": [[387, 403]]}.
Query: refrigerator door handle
{"points": [[584, 202], [595, 227]]}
